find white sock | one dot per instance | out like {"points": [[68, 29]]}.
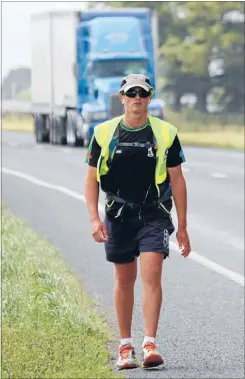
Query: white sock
{"points": [[148, 340], [126, 341]]}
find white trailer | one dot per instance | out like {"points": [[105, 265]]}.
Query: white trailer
{"points": [[54, 83]]}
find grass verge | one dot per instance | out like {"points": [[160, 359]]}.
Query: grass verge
{"points": [[49, 326], [21, 123], [219, 138], [227, 136], [201, 129]]}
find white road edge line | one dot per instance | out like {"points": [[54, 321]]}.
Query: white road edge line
{"points": [[219, 175], [237, 278]]}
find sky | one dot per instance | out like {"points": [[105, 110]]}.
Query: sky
{"points": [[16, 29]]}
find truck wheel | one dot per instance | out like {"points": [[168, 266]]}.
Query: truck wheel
{"points": [[41, 133], [51, 126], [60, 130], [71, 136]]}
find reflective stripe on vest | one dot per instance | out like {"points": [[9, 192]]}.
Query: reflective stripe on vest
{"points": [[163, 132]]}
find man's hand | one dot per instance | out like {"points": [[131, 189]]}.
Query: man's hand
{"points": [[99, 231], [184, 242]]}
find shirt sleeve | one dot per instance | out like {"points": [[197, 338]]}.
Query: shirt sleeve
{"points": [[175, 154], [93, 153]]}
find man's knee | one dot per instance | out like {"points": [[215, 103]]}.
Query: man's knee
{"points": [[125, 275], [151, 269], [124, 284], [125, 281], [152, 279], [151, 276]]}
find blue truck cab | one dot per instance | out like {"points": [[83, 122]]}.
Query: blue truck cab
{"points": [[112, 44]]}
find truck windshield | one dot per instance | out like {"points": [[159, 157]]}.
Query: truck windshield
{"points": [[124, 67]]}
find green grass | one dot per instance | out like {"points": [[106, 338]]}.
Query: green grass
{"points": [[225, 138], [21, 123], [199, 129], [50, 328]]}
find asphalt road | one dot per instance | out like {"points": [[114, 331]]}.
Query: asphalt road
{"points": [[201, 331]]}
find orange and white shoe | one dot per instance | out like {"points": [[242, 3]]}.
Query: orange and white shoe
{"points": [[151, 357], [127, 358]]}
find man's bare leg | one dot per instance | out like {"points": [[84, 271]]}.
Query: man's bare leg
{"points": [[125, 277], [151, 274]]}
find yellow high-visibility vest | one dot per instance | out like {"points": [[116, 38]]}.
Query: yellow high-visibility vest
{"points": [[164, 134]]}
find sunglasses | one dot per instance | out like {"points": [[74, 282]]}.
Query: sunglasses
{"points": [[133, 93]]}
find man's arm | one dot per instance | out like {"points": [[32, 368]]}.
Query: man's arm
{"points": [[178, 186], [174, 160], [179, 192], [92, 193], [99, 230]]}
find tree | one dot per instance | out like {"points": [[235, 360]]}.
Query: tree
{"points": [[189, 56], [16, 81], [231, 53]]}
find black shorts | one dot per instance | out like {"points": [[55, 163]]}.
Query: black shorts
{"points": [[128, 239]]}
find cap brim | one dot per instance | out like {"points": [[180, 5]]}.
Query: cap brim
{"points": [[132, 85]]}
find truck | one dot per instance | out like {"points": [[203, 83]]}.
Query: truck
{"points": [[79, 59]]}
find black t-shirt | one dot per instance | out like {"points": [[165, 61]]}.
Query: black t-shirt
{"points": [[132, 172]]}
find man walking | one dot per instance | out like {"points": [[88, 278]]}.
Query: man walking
{"points": [[136, 160]]}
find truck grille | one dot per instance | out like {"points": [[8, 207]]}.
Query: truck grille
{"points": [[115, 106]]}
